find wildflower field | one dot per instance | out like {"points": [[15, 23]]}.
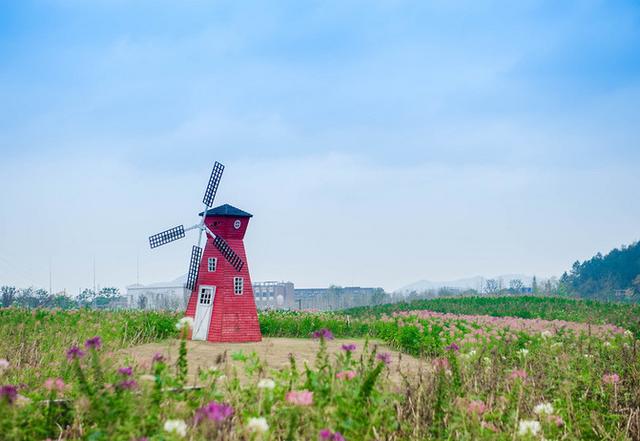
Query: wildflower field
{"points": [[479, 377]]}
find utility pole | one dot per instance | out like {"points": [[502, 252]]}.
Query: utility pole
{"points": [[50, 278]]}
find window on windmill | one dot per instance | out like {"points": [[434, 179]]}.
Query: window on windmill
{"points": [[212, 264], [238, 285]]}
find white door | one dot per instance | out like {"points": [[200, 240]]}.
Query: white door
{"points": [[206, 295]]}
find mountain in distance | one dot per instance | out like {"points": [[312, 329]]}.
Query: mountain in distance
{"points": [[477, 283]]}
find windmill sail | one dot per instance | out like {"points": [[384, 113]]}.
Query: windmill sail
{"points": [[167, 236], [212, 187], [192, 276], [228, 253]]}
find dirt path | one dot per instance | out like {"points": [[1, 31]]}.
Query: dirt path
{"points": [[274, 352]]}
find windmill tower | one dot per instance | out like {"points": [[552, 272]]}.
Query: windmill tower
{"points": [[221, 302]]}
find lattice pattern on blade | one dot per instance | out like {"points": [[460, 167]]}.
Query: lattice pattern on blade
{"points": [[192, 276], [165, 237], [228, 253], [212, 187]]}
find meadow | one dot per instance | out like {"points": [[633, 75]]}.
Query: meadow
{"points": [[482, 376]]}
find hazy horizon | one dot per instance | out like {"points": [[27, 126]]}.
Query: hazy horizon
{"points": [[376, 144]]}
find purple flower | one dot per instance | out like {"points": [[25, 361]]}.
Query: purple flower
{"points": [[323, 333], [9, 393], [93, 343], [127, 385], [349, 348], [74, 353], [453, 347], [158, 358], [327, 435], [214, 411], [384, 357], [126, 371]]}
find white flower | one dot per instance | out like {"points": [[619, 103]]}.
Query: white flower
{"points": [[257, 425], [546, 334], [543, 408], [266, 383], [526, 427], [628, 333], [524, 352], [607, 344], [213, 368], [4, 364], [179, 427], [184, 321], [588, 356]]}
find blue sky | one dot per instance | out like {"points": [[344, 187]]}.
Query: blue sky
{"points": [[377, 143]]}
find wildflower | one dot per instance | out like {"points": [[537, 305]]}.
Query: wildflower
{"points": [[488, 426], [384, 357], [127, 385], [214, 411], [453, 347], [349, 348], [4, 365], [56, 385], [9, 393], [558, 420], [179, 427], [524, 352], [257, 425], [300, 398], [476, 407], [184, 322], [526, 427], [611, 378], [126, 371], [266, 383], [93, 343], [346, 375], [327, 435], [543, 408], [158, 358], [518, 373], [440, 363], [323, 333], [74, 353], [546, 334]]}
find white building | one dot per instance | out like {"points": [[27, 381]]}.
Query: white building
{"points": [[162, 295]]}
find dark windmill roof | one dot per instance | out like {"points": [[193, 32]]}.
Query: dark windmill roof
{"points": [[227, 210]]}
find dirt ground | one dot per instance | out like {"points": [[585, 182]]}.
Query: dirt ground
{"points": [[274, 352]]}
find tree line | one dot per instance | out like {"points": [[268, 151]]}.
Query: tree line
{"points": [[41, 298]]}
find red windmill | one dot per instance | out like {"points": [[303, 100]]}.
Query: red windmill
{"points": [[221, 303]]}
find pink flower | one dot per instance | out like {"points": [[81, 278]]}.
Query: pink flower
{"points": [[518, 373], [384, 357], [9, 393], [74, 353], [126, 371], [300, 397], [611, 378], [327, 435], [127, 385], [93, 343], [558, 420], [214, 411], [440, 363], [476, 407], [56, 385], [349, 348], [323, 333], [346, 375]]}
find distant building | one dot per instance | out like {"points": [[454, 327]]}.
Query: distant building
{"points": [[164, 295], [335, 297], [274, 295]]}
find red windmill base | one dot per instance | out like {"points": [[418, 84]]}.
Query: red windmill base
{"points": [[222, 303]]}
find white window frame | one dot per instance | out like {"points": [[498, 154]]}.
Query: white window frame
{"points": [[238, 285], [210, 261]]}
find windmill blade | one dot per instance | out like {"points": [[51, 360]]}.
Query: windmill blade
{"points": [[194, 264], [228, 253], [212, 187], [165, 237]]}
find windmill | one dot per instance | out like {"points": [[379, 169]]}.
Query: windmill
{"points": [[221, 303]]}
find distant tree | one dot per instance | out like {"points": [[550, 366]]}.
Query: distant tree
{"points": [[516, 285], [8, 294], [142, 302], [86, 297], [534, 285], [636, 283], [491, 286]]}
